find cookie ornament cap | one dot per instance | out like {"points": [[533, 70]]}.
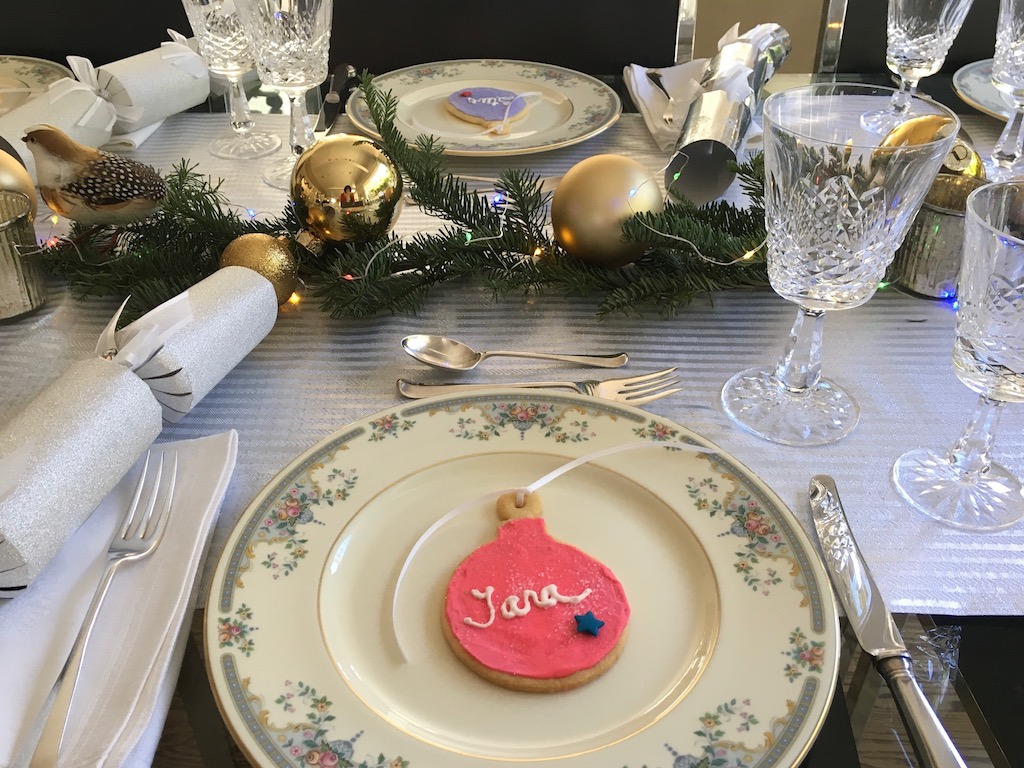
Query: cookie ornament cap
{"points": [[532, 613]]}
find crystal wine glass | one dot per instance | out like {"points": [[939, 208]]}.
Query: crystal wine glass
{"points": [[224, 48], [1008, 77], [291, 41], [918, 36], [963, 486], [838, 201]]}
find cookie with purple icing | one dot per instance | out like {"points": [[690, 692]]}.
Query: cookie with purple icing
{"points": [[493, 108]]}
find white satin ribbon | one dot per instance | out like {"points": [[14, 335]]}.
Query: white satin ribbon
{"points": [[106, 87], [136, 344], [178, 54]]}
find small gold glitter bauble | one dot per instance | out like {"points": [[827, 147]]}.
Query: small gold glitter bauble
{"points": [[593, 200], [345, 188], [14, 178], [268, 255]]}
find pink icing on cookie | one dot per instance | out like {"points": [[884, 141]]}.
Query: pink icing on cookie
{"points": [[543, 642]]}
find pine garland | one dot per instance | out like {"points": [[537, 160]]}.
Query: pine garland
{"points": [[181, 244]]}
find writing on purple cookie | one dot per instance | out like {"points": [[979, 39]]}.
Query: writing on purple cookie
{"points": [[488, 103]]}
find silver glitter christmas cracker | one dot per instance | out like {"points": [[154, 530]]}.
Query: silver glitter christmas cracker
{"points": [[232, 311], [73, 443]]}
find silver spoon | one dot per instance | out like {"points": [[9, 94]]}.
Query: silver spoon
{"points": [[442, 352]]}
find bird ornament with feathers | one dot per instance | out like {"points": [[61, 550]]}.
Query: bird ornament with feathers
{"points": [[88, 185]]}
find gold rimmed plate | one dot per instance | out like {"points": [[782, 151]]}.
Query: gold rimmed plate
{"points": [[973, 84], [566, 107], [317, 654]]}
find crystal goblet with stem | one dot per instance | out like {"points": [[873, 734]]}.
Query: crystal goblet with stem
{"points": [[838, 202], [964, 486], [290, 40], [918, 36], [224, 48], [1008, 77]]}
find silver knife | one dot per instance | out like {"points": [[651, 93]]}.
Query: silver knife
{"points": [[875, 629], [338, 87]]}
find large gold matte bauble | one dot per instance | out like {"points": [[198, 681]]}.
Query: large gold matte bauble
{"points": [[14, 178], [268, 255], [345, 188], [593, 200]]}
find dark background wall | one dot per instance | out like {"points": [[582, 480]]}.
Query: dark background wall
{"points": [[596, 36], [863, 48]]}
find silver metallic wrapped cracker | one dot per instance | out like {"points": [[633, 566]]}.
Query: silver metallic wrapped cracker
{"points": [[716, 124]]}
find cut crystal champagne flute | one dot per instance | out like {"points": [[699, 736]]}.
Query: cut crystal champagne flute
{"points": [[838, 202], [224, 48], [1008, 78], [918, 36], [964, 486], [290, 40]]}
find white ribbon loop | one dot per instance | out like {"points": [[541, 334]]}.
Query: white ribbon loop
{"points": [[106, 87], [134, 345]]}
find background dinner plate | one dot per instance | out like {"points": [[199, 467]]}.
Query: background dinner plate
{"points": [[23, 77], [733, 637], [973, 84], [567, 107]]}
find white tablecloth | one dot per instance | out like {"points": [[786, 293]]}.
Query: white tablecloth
{"points": [[312, 375]]}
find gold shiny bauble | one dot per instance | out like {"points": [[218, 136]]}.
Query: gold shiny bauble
{"points": [[593, 200], [919, 130], [268, 255], [345, 188], [14, 178]]}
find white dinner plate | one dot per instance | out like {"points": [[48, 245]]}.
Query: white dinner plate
{"points": [[24, 77], [319, 654], [973, 84], [566, 107]]}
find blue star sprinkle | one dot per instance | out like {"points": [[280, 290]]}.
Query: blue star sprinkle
{"points": [[588, 623]]}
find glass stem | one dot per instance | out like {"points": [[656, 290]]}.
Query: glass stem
{"points": [[1008, 148], [972, 452], [301, 133], [799, 367], [238, 104], [902, 98]]}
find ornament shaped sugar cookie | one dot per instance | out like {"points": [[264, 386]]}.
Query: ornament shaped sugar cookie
{"points": [[531, 613]]}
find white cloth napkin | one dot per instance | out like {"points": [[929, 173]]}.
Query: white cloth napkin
{"points": [[134, 655], [126, 142], [682, 81]]}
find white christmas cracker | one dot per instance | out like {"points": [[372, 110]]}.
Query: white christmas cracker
{"points": [[67, 104], [232, 311], [151, 86], [71, 445]]}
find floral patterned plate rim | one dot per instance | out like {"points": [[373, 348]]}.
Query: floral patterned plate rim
{"points": [[29, 73], [973, 84], [566, 107], [733, 645]]}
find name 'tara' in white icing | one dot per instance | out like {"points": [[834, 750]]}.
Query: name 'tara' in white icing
{"points": [[511, 609]]}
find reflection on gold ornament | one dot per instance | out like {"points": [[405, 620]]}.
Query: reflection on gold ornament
{"points": [[268, 255], [593, 200], [14, 178], [919, 130], [345, 188]]}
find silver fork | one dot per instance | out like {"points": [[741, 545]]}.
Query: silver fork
{"points": [[634, 390], [140, 532], [668, 116]]}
